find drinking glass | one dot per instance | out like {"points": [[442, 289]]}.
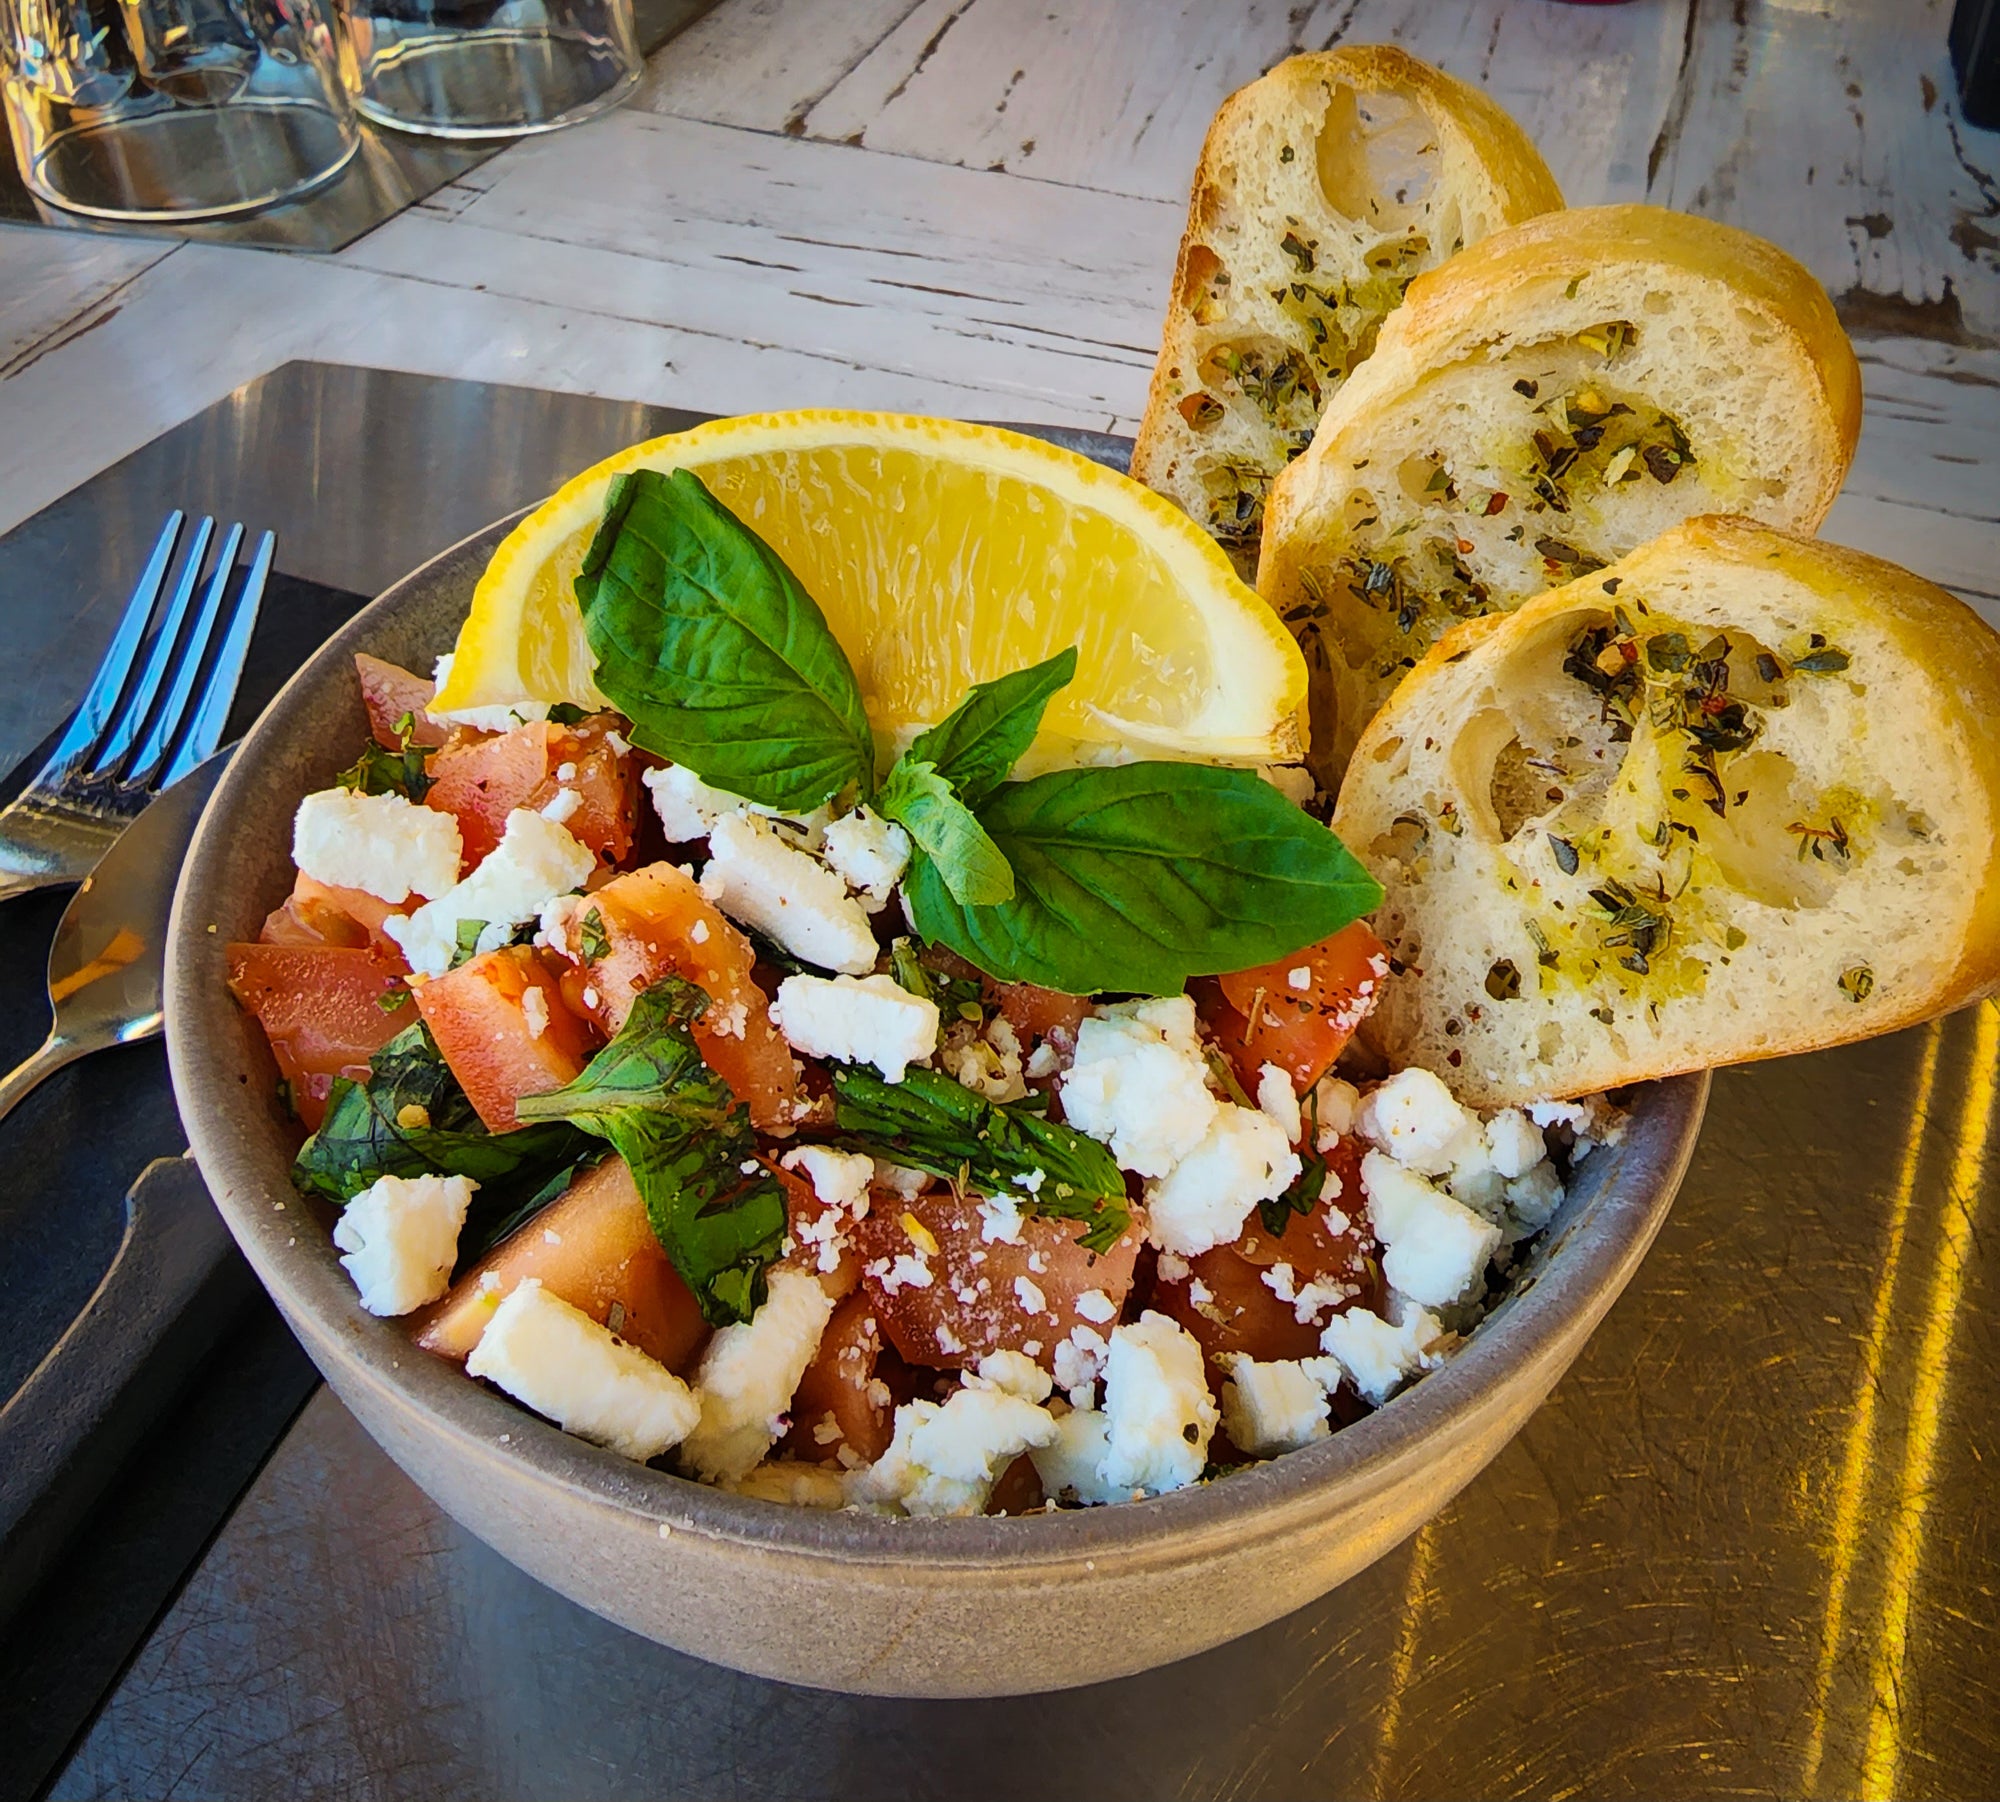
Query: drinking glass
{"points": [[488, 68], [173, 109]]}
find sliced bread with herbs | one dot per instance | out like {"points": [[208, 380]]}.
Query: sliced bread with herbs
{"points": [[1732, 797], [1323, 187], [1548, 400]]}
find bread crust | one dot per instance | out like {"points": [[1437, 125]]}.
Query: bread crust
{"points": [[1517, 287], [1954, 649], [1479, 133]]}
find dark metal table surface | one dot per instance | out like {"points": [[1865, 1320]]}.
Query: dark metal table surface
{"points": [[1746, 1548]]}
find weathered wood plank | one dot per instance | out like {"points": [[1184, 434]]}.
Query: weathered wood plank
{"points": [[56, 285], [1832, 127]]}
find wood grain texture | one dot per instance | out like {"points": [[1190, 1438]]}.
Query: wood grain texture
{"points": [[55, 286]]}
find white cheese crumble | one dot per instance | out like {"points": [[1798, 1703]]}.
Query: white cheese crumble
{"points": [[1094, 1304], [841, 1181], [999, 1220], [1277, 1097], [1243, 1159], [1417, 1121], [1028, 1294], [1514, 1143], [1437, 1248], [762, 882], [1139, 1083], [869, 853], [535, 861], [857, 1020], [1157, 1404], [945, 1457], [748, 1375], [1079, 1362], [562, 805], [1378, 1354], [555, 1359], [1072, 1463], [384, 844], [400, 1235], [1276, 1407], [1334, 1105], [687, 806], [501, 716]]}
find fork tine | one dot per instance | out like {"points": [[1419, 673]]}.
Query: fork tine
{"points": [[133, 715], [92, 716], [212, 710], [151, 755]]}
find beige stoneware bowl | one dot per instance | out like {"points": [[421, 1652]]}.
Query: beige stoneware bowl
{"points": [[837, 1601]]}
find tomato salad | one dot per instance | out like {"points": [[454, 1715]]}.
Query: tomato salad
{"points": [[926, 1141]]}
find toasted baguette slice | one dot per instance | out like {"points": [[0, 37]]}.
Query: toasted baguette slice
{"points": [[1545, 402], [1613, 850], [1322, 189]]}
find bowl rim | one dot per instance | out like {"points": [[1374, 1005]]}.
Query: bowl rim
{"points": [[1534, 1328]]}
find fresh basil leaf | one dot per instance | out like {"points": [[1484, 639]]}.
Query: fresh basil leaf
{"points": [[411, 1118], [1137, 877], [713, 650], [719, 1212], [976, 746], [947, 832], [380, 771], [929, 1122]]}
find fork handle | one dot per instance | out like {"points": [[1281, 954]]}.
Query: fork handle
{"points": [[26, 1076]]}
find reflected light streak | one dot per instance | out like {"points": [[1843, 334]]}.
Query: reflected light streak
{"points": [[1881, 1764], [1402, 1662], [1852, 1488]]}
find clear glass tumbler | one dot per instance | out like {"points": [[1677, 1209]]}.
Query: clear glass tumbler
{"points": [[488, 68], [173, 109]]}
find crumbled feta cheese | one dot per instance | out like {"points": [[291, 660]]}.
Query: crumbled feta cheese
{"points": [[1378, 1354], [1172, 1269], [400, 1235], [688, 807], [1044, 1060], [1417, 1121], [561, 806], [760, 881], [907, 1183], [555, 1359], [1094, 1304], [1272, 1408], [999, 1220], [1334, 1102], [907, 1271], [748, 1375], [858, 1020], [1139, 1083], [945, 1457], [869, 853], [1072, 1463], [795, 1485], [1157, 1403], [1277, 1097], [535, 1010], [1437, 1248], [1593, 1120], [501, 716], [1244, 1158], [1015, 1374], [841, 1182], [535, 861], [1300, 979], [1533, 1198], [1028, 1294], [381, 843], [1079, 1362], [1514, 1143], [989, 1069]]}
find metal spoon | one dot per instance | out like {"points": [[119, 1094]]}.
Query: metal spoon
{"points": [[110, 947]]}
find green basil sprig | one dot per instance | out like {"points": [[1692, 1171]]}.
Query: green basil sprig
{"points": [[687, 1139], [929, 1122], [712, 649]]}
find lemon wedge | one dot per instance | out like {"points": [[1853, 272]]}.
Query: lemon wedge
{"points": [[943, 554]]}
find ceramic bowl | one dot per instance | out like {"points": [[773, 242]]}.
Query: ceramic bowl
{"points": [[838, 1601]]}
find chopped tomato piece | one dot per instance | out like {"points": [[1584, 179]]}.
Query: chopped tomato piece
{"points": [[1297, 1012], [500, 1044], [653, 922], [481, 779], [323, 1009], [1035, 1012], [1018, 1490], [317, 913], [839, 1401], [594, 1247], [984, 1295], [390, 692], [1230, 1301]]}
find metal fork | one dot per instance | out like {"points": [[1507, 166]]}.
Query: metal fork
{"points": [[136, 734]]}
